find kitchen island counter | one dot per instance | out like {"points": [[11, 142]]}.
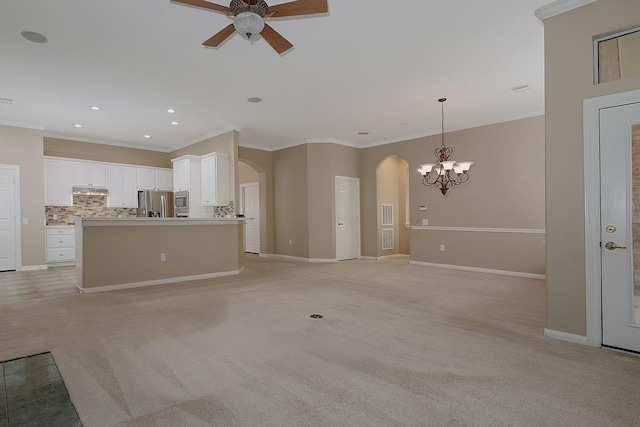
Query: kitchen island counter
{"points": [[120, 253]]}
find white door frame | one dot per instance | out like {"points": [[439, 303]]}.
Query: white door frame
{"points": [[242, 210], [592, 226], [358, 228], [16, 211]]}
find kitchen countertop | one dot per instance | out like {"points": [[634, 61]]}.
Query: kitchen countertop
{"points": [[138, 221]]}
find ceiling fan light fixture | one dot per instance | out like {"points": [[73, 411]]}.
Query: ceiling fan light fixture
{"points": [[248, 24]]}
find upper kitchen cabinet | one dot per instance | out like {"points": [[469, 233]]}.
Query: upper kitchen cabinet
{"points": [[186, 173], [89, 174], [58, 176], [122, 186], [214, 170], [154, 179]]}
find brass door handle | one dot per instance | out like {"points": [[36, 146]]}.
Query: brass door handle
{"points": [[612, 246]]}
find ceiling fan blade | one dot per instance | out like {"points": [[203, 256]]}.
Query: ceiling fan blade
{"points": [[220, 36], [299, 7], [204, 4], [279, 43]]}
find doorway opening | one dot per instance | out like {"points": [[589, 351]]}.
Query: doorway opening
{"points": [[394, 233], [249, 180]]}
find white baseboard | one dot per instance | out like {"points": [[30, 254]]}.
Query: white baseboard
{"points": [[158, 282], [481, 270], [33, 267], [564, 336], [372, 258], [298, 259], [322, 260], [396, 256]]}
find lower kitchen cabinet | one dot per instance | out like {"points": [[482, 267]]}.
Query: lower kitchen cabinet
{"points": [[61, 244]]}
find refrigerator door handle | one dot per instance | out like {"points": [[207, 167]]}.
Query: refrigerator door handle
{"points": [[163, 205]]}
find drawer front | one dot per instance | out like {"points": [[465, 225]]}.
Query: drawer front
{"points": [[57, 231], [61, 241], [61, 255]]}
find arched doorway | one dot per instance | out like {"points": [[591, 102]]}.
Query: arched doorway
{"points": [[392, 191]]}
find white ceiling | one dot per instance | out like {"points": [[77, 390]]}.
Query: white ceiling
{"points": [[367, 66]]}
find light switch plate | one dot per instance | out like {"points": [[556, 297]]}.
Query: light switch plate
{"points": [[25, 221]]}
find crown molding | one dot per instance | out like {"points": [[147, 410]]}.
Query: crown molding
{"points": [[558, 7]]}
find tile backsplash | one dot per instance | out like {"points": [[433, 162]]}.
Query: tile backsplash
{"points": [[96, 207], [85, 206]]}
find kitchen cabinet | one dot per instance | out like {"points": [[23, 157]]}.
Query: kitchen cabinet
{"points": [[154, 179], [214, 169], [61, 244], [181, 174], [122, 186], [89, 174], [58, 176]]}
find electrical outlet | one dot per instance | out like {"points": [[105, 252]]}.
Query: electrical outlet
{"points": [[425, 222], [290, 242], [163, 257], [442, 248]]}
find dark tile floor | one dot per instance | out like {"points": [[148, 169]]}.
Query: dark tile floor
{"points": [[32, 394]]}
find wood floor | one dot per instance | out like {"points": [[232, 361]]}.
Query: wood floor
{"points": [[26, 285]]}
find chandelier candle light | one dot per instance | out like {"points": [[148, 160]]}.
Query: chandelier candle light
{"points": [[445, 173]]}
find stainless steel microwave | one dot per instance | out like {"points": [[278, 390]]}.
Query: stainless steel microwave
{"points": [[181, 203]]}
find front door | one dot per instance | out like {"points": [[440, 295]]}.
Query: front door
{"points": [[620, 225], [347, 218], [7, 219], [251, 210]]}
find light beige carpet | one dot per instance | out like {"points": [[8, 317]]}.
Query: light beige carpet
{"points": [[399, 345]]}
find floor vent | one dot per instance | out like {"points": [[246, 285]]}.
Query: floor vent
{"points": [[316, 316], [387, 238]]}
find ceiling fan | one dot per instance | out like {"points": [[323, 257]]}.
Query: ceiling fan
{"points": [[249, 18]]}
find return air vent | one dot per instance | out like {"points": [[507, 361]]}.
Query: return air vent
{"points": [[387, 239], [6, 101], [387, 214]]}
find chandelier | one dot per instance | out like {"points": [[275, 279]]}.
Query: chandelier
{"points": [[444, 173]]}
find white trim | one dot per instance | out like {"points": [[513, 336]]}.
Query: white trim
{"points": [[558, 7], [21, 125], [563, 336], [480, 230], [591, 130], [371, 258], [299, 259], [321, 260], [33, 267], [480, 270], [381, 258], [158, 282], [136, 221]]}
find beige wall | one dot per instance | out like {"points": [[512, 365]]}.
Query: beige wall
{"points": [[324, 162], [291, 202], [569, 79], [23, 147], [247, 174], [224, 143], [105, 153], [262, 162], [500, 194]]}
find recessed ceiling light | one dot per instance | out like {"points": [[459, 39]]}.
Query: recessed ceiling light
{"points": [[363, 133], [78, 125], [254, 99], [34, 37], [171, 111], [174, 123], [147, 136], [95, 107]]}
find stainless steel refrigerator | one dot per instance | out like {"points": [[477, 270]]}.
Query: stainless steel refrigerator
{"points": [[155, 203]]}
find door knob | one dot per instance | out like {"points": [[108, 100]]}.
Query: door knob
{"points": [[611, 246]]}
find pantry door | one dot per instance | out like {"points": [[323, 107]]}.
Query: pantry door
{"points": [[620, 225]]}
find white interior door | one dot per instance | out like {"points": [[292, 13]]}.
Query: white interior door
{"points": [[7, 219], [620, 223], [347, 218], [251, 208]]}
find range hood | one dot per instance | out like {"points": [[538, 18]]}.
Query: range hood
{"points": [[91, 191]]}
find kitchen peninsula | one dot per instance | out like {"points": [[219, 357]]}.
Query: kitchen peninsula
{"points": [[121, 253]]}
